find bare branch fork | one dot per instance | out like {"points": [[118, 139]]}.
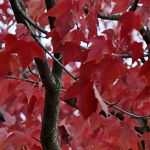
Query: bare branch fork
{"points": [[28, 21], [53, 57], [52, 83]]}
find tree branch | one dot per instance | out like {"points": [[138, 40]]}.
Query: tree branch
{"points": [[134, 5], [146, 36], [52, 86], [51, 106], [108, 17], [125, 112], [22, 79], [50, 4], [49, 120], [145, 33], [127, 55], [72, 102]]}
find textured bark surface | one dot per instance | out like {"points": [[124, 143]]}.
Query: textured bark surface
{"points": [[52, 83]]}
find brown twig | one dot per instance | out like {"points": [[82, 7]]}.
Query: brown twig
{"points": [[108, 17], [126, 112], [36, 139], [21, 79], [30, 70], [127, 55]]}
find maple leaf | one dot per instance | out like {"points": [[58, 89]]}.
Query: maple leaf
{"points": [[76, 36], [92, 23], [121, 6], [18, 136], [100, 47], [3, 138], [8, 63], [144, 94], [146, 139], [86, 101], [31, 105], [26, 50], [100, 100], [71, 52], [137, 51], [60, 9], [35, 9], [144, 71], [6, 88], [27, 91], [102, 72], [63, 27], [129, 21], [128, 137], [22, 32], [144, 10], [62, 13], [65, 138], [9, 120], [55, 38], [100, 75]]}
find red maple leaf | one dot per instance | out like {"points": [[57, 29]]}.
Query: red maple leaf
{"points": [[26, 50], [144, 71], [129, 21], [137, 51], [121, 6], [71, 52], [86, 101], [102, 71]]}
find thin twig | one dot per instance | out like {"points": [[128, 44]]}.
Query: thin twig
{"points": [[30, 70], [125, 112], [108, 17], [27, 80], [116, 17], [29, 19], [36, 139], [113, 106], [127, 55], [21, 79]]}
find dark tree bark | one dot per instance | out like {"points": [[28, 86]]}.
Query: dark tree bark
{"points": [[52, 84]]}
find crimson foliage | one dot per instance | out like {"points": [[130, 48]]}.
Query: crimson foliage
{"points": [[107, 107]]}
